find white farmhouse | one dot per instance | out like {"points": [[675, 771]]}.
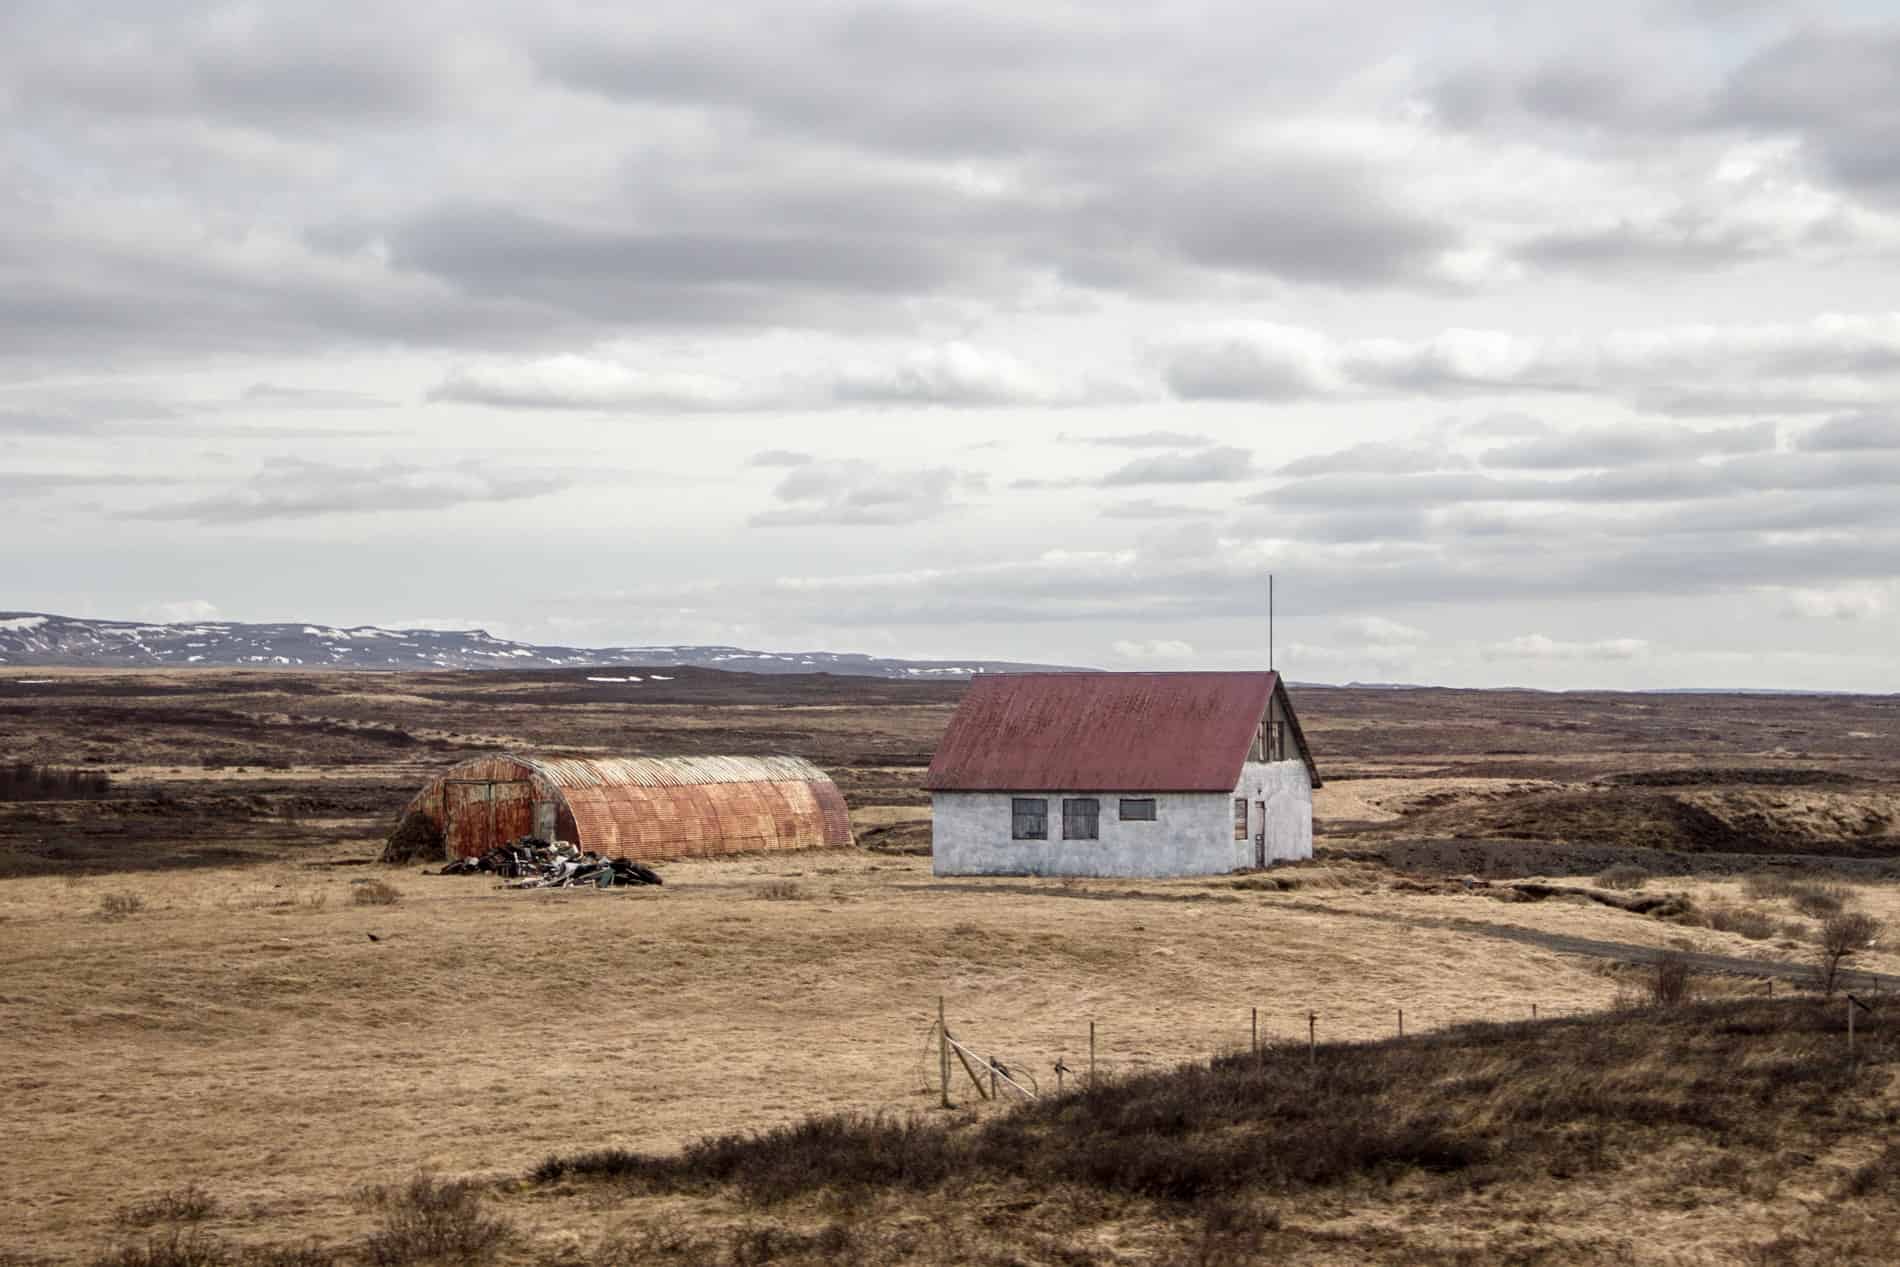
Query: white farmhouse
{"points": [[1121, 774]]}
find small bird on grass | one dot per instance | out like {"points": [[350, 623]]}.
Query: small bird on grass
{"points": [[372, 936]]}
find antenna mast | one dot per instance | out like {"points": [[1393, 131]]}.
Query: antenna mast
{"points": [[1269, 622]]}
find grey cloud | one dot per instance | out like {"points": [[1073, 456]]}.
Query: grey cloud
{"points": [[1602, 88], [1300, 217], [1799, 365], [951, 375], [294, 70], [1144, 440], [855, 493], [958, 375], [293, 488], [1544, 647], [1274, 363], [50, 422], [1852, 432], [631, 276], [1348, 576], [1624, 444], [779, 457], [1833, 87], [46, 483], [1220, 465], [1371, 458], [1509, 425], [280, 396], [1683, 241], [1366, 524], [1678, 482], [1826, 84], [1148, 508]]}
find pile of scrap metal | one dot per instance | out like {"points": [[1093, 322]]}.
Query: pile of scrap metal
{"points": [[534, 863]]}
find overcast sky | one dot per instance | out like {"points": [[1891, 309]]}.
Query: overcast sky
{"points": [[1522, 348]]}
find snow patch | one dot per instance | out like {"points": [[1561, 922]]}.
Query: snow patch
{"points": [[20, 624]]}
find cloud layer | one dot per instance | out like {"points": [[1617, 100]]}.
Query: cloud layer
{"points": [[1555, 344]]}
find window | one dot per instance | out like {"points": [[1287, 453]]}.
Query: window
{"points": [[1138, 809], [1028, 818], [1079, 817], [1276, 742], [1240, 818]]}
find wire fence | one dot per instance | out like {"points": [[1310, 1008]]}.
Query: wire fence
{"points": [[949, 1064]]}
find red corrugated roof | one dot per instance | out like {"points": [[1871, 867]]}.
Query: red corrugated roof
{"points": [[1106, 732]]}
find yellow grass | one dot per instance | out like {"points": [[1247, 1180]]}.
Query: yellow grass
{"points": [[242, 1031]]}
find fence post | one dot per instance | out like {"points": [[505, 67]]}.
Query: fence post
{"points": [[1256, 1031], [943, 1054], [1312, 1038], [1401, 1022], [1533, 1011], [1091, 1055]]}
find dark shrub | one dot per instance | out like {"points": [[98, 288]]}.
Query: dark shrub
{"points": [[189, 1204], [1670, 981], [172, 1249], [1842, 937], [432, 1220], [24, 781], [416, 838], [1625, 875]]}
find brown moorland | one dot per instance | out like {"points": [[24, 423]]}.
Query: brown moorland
{"points": [[195, 1019]]}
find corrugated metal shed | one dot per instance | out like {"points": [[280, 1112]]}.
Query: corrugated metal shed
{"points": [[1108, 732], [645, 808]]}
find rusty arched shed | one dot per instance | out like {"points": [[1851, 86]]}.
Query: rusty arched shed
{"points": [[636, 807]]}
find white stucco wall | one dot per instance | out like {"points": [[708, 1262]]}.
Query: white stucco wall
{"points": [[1286, 789], [1193, 832]]}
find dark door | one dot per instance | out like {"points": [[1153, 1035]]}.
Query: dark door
{"points": [[1260, 834]]}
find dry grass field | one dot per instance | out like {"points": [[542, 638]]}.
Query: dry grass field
{"points": [[213, 1040]]}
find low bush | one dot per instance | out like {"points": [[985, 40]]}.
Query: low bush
{"points": [[1624, 875], [309, 1254], [1754, 925], [1670, 981], [780, 891], [431, 1220], [189, 1204], [375, 893], [1818, 901], [1766, 886], [120, 905], [1842, 937], [175, 1248]]}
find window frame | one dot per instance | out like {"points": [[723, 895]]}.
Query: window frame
{"points": [[1019, 815], [1153, 814], [1094, 814], [1240, 818]]}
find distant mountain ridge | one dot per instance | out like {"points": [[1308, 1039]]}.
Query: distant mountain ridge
{"points": [[43, 640]]}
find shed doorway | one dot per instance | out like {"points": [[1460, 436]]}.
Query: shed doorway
{"points": [[479, 814]]}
